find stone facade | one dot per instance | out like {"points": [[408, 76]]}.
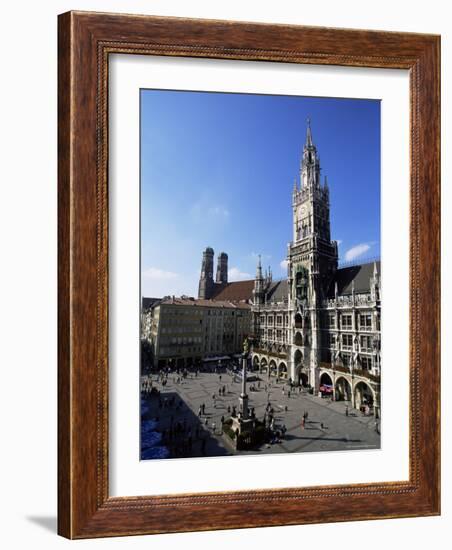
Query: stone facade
{"points": [[186, 331]]}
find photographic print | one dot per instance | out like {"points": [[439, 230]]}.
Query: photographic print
{"points": [[260, 274]]}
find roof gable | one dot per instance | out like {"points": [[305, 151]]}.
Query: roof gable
{"points": [[235, 292]]}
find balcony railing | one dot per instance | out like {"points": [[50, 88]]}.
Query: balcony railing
{"points": [[350, 300]]}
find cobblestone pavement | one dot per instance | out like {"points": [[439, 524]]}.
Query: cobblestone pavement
{"points": [[328, 428]]}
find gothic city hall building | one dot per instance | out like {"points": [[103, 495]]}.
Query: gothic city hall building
{"points": [[319, 327]]}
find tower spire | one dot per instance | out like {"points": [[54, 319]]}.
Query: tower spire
{"points": [[259, 268], [308, 133]]}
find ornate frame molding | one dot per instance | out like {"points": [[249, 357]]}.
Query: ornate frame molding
{"points": [[85, 42]]}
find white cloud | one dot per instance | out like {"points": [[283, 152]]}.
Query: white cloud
{"points": [[218, 212], [157, 283], [356, 251], [200, 211], [158, 274], [234, 274], [339, 242], [283, 265]]}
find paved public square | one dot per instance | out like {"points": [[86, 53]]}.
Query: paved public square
{"points": [[328, 427]]}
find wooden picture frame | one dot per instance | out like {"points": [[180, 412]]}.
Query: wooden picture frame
{"points": [[86, 40]]}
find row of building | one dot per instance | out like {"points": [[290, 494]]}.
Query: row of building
{"points": [[185, 331]]}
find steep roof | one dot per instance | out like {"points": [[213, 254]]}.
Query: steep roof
{"points": [[278, 292], [359, 274], [235, 292]]}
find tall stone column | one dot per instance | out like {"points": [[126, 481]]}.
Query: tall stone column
{"points": [[243, 399]]}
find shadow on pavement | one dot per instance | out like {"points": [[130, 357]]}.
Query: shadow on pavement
{"points": [[180, 431]]}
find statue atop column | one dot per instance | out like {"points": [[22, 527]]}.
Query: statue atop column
{"points": [[246, 347]]}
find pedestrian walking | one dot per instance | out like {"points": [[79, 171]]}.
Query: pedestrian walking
{"points": [[346, 410]]}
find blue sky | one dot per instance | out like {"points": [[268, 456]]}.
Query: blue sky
{"points": [[218, 170]]}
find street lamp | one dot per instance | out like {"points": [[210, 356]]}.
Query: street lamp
{"points": [[243, 399], [376, 346], [352, 368], [334, 371]]}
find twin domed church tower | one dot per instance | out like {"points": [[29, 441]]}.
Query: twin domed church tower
{"points": [[207, 285]]}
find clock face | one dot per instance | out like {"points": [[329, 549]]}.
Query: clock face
{"points": [[303, 210]]}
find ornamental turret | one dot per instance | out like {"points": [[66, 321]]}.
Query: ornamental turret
{"points": [[258, 292]]}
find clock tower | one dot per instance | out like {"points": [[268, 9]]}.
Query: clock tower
{"points": [[312, 261]]}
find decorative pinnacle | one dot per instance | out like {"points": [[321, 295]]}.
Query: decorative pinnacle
{"points": [[259, 268], [308, 133]]}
